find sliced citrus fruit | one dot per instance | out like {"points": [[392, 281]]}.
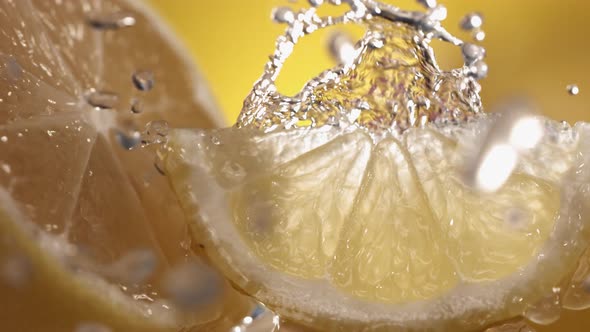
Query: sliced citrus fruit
{"points": [[339, 228], [380, 197], [91, 233]]}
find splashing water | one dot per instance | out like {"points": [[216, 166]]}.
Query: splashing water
{"points": [[391, 83]]}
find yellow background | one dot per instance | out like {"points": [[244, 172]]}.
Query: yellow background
{"points": [[535, 48]]}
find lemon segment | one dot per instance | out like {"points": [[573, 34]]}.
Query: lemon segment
{"points": [[304, 240], [391, 249], [487, 236]]}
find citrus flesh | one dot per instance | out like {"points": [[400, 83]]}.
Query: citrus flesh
{"points": [[91, 230], [329, 227]]}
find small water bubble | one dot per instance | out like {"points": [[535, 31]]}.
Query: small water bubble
{"points": [[316, 3], [128, 141], [155, 132], [143, 80], [283, 15], [136, 106], [427, 3], [3, 139], [192, 285], [471, 21], [92, 327], [341, 47], [102, 99], [573, 89], [16, 270], [111, 21], [51, 133]]}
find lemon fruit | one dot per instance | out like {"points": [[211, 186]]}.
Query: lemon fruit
{"points": [[340, 210], [91, 233]]}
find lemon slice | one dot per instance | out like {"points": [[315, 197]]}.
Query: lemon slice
{"points": [[334, 229], [91, 233]]}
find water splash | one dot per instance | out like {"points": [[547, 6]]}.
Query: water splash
{"points": [[391, 84]]}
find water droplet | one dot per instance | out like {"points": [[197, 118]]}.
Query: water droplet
{"points": [[134, 267], [472, 52], [143, 80], [192, 285], [341, 47], [479, 35], [438, 13], [471, 21], [283, 15], [316, 3], [155, 132], [428, 3], [102, 99], [128, 142], [478, 70], [111, 21], [545, 312], [3, 139], [491, 161], [526, 132], [136, 106], [16, 270], [573, 89], [496, 167], [92, 327]]}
